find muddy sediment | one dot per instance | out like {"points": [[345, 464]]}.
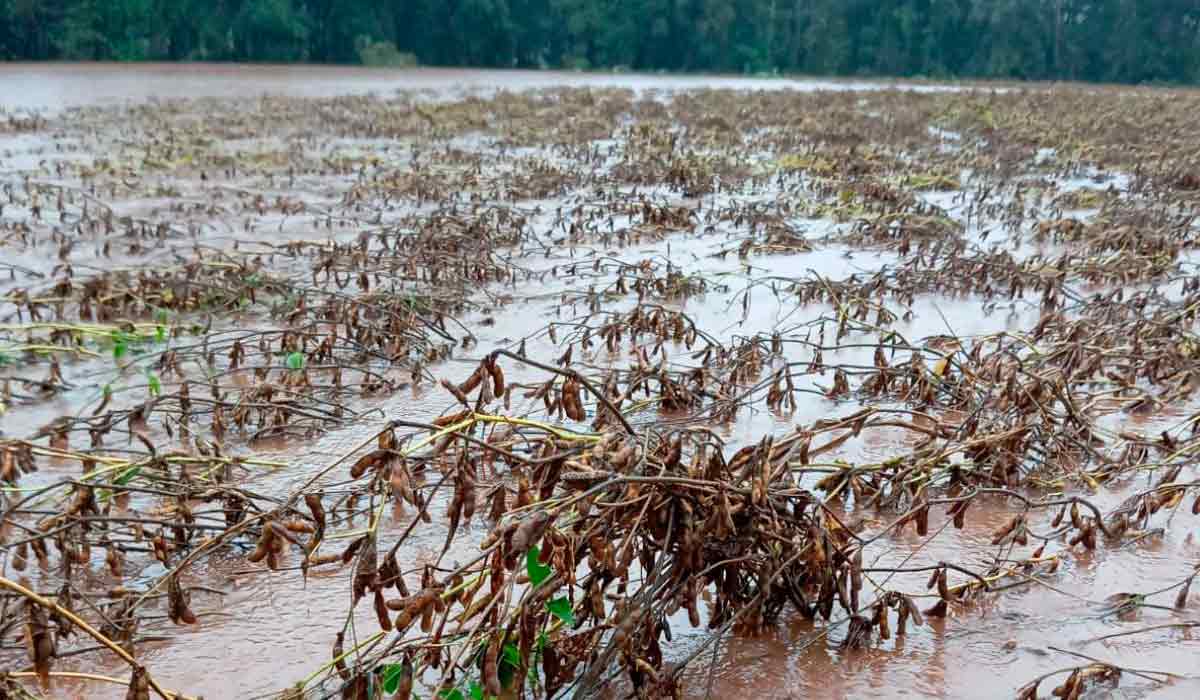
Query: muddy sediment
{"points": [[532, 385]]}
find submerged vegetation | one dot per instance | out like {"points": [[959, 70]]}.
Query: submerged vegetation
{"points": [[537, 382]]}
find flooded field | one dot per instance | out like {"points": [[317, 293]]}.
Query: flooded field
{"points": [[340, 383], [53, 86]]}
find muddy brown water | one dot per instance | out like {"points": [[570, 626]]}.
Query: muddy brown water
{"points": [[269, 630], [41, 86]]}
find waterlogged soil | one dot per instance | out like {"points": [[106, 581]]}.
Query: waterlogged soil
{"points": [[318, 256]]}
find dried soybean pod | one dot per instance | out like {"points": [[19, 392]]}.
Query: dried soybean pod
{"points": [[337, 653], [1089, 538], [352, 549], [960, 514], [529, 532], [458, 394], [902, 620], [454, 512], [427, 611], [913, 610], [472, 382], [263, 546], [299, 526], [403, 620], [381, 611], [856, 576], [497, 377], [491, 667], [38, 641], [693, 612], [1181, 599], [404, 689], [881, 619], [1001, 535], [113, 560], [499, 505], [943, 585], [322, 559], [570, 401], [178, 603], [524, 491], [139, 684], [367, 462], [468, 511], [313, 501], [389, 571], [939, 609]]}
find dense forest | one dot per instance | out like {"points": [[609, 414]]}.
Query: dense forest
{"points": [[1105, 40]]}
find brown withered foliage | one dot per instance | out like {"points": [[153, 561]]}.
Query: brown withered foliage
{"points": [[530, 330]]}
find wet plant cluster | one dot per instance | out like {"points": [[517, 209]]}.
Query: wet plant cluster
{"points": [[612, 379]]}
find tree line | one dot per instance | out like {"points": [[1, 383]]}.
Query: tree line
{"points": [[1131, 41]]}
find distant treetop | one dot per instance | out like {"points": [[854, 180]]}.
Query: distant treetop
{"points": [[1132, 41]]}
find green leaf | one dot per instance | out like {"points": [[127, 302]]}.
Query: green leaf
{"points": [[561, 608], [392, 674], [295, 361], [537, 571], [120, 347], [160, 334], [155, 383], [512, 655], [476, 691], [510, 663], [454, 694], [127, 475]]}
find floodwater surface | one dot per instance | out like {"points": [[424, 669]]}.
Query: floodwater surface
{"points": [[193, 154], [42, 86]]}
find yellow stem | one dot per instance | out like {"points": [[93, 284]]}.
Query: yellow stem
{"points": [[48, 348], [86, 677], [83, 625], [313, 676], [557, 432]]}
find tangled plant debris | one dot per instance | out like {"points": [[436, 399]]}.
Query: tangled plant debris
{"points": [[628, 376]]}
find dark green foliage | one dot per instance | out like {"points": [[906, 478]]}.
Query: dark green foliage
{"points": [[1099, 40]]}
